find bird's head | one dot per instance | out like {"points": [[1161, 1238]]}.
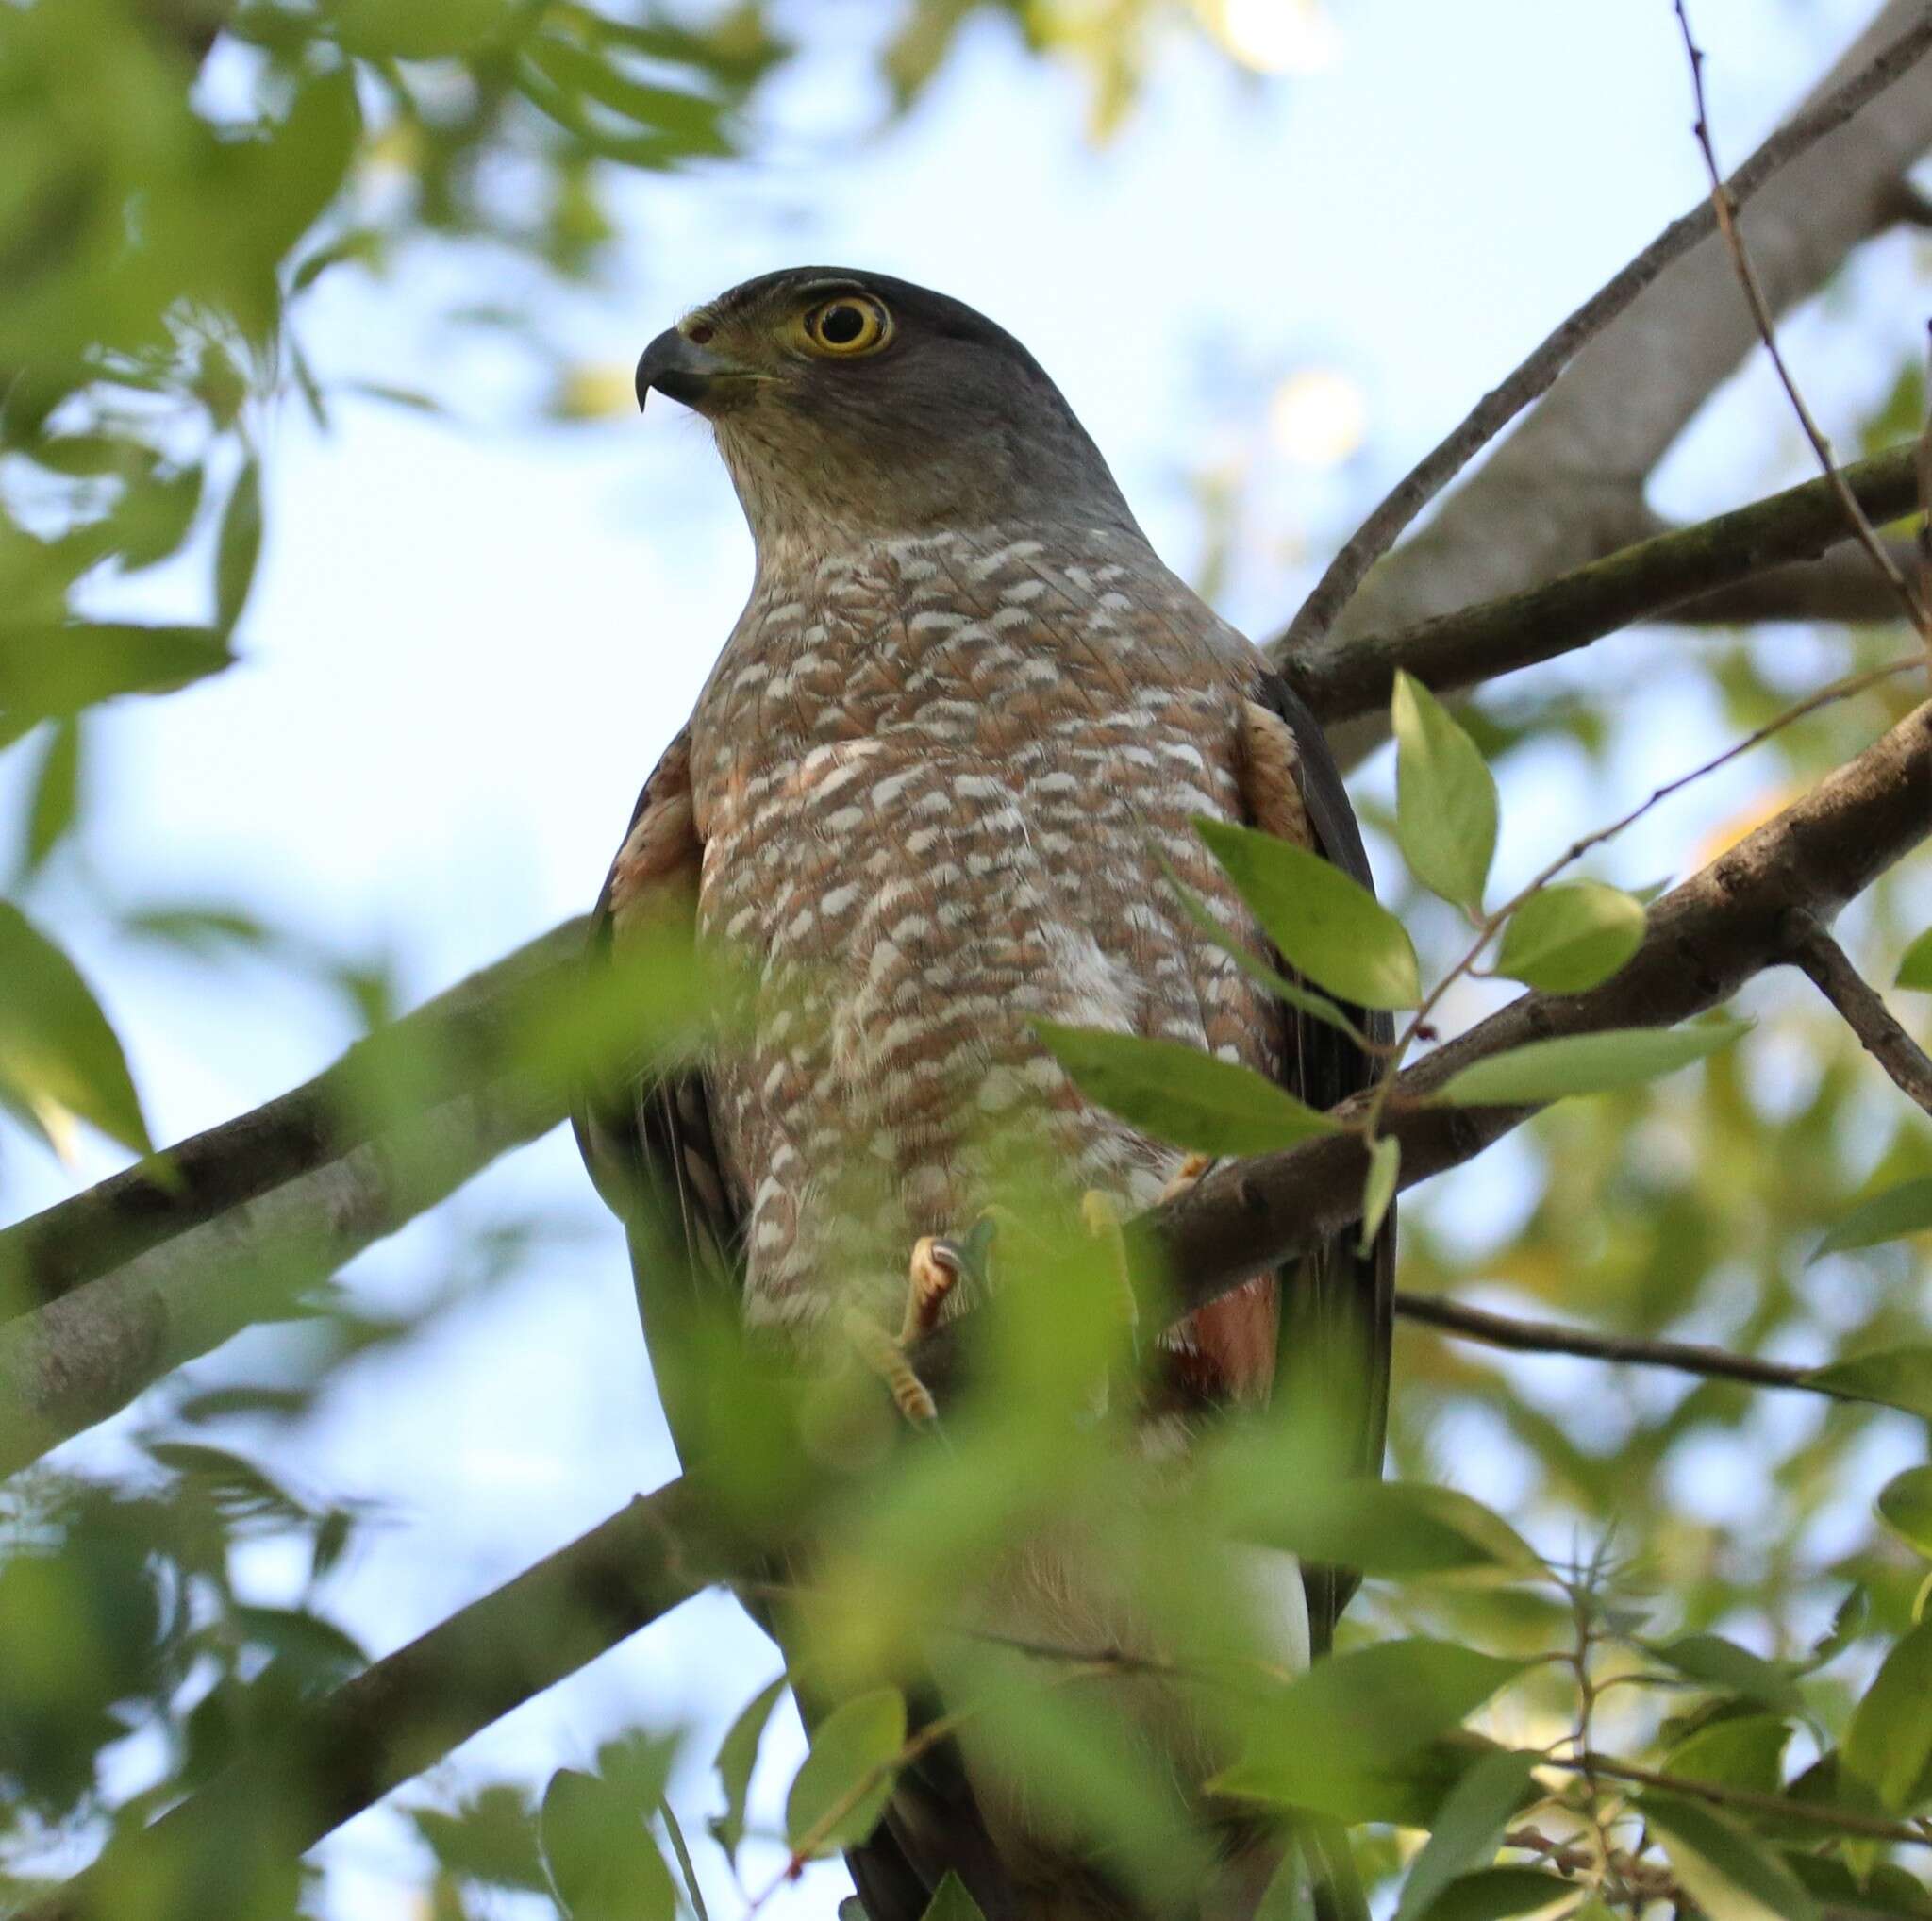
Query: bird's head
{"points": [[852, 403]]}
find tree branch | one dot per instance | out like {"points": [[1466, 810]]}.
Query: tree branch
{"points": [[1724, 203], [1839, 588], [1828, 968], [86, 1355], [1537, 375], [1553, 1337], [408, 1709], [450, 1045], [1566, 486], [1639, 582]]}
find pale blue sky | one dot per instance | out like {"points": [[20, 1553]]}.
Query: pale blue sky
{"points": [[471, 637]]}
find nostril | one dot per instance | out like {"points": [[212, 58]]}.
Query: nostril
{"points": [[699, 333]]}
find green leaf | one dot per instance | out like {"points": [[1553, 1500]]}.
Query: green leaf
{"points": [[1847, 1624], [1715, 1662], [47, 671], [1892, 1378], [1585, 1064], [951, 1902], [841, 1790], [1407, 1792], [1495, 1893], [56, 801], [1325, 925], [738, 1755], [422, 30], [1378, 1187], [490, 1837], [1358, 1712], [1304, 1000], [1567, 938], [1722, 1868], [1469, 1826], [1735, 1752], [1446, 797], [602, 1859], [1181, 1095], [1906, 1209], [1888, 1743], [57, 1049], [238, 548], [1905, 1505], [1390, 1531], [1915, 965], [691, 119]]}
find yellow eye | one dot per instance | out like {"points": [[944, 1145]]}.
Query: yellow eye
{"points": [[852, 323]]}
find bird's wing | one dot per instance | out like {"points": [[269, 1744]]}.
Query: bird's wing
{"points": [[645, 1130], [1337, 1304], [646, 1138]]}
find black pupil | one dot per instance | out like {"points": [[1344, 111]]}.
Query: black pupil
{"points": [[842, 324]]}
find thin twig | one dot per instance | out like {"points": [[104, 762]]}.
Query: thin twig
{"points": [[1829, 970], [1923, 538], [1814, 1813], [1538, 373], [1724, 205], [1553, 1337]]}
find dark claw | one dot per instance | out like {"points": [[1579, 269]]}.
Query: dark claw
{"points": [[971, 1255]]}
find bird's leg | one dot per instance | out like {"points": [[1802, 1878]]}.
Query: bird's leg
{"points": [[938, 1265]]}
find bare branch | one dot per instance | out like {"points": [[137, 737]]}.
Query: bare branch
{"points": [[1539, 372], [1841, 588], [1724, 203], [1828, 968], [408, 1709], [1553, 1337], [86, 1355], [1654, 578]]}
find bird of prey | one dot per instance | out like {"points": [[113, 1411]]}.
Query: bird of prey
{"points": [[937, 788]]}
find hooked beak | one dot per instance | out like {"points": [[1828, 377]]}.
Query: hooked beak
{"points": [[680, 367]]}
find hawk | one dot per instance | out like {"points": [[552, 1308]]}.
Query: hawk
{"points": [[937, 789]]}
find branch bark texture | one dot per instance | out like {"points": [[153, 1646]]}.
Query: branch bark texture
{"points": [[1567, 485]]}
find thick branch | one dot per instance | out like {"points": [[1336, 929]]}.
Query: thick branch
{"points": [[1831, 971], [1639, 582], [450, 1045], [1841, 588], [408, 1710], [1539, 372], [1567, 485], [87, 1354]]}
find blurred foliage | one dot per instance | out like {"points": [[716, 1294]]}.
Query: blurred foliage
{"points": [[1688, 1575]]}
